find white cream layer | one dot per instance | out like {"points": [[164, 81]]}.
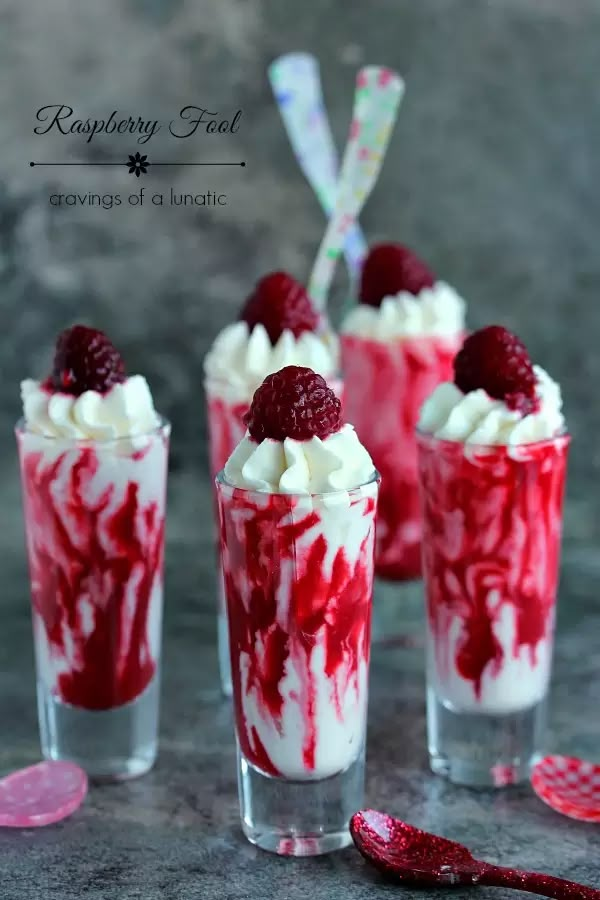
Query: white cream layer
{"points": [[126, 410], [476, 418], [337, 463], [520, 682], [240, 360], [436, 311]]}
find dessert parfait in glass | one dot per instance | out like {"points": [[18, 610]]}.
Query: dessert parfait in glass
{"points": [[492, 459], [397, 345], [93, 457], [297, 502], [277, 326]]}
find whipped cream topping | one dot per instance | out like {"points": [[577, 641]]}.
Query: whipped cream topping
{"points": [[125, 410], [436, 311], [337, 463], [476, 418], [240, 360]]}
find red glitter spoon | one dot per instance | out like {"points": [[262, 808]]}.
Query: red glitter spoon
{"points": [[411, 856]]}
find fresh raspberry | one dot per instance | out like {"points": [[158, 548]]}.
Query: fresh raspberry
{"points": [[280, 302], [296, 403], [497, 361], [389, 269], [85, 360]]}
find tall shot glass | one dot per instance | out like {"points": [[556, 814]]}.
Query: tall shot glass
{"points": [[225, 418], [226, 428], [491, 547], [94, 521], [298, 573]]}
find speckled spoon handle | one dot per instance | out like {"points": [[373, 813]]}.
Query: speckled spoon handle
{"points": [[376, 100], [296, 84], [536, 883]]}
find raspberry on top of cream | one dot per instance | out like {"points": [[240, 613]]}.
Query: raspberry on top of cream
{"points": [[88, 395], [278, 327], [400, 298], [296, 442], [498, 396]]}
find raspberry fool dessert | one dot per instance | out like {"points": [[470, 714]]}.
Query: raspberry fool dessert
{"points": [[277, 327], [493, 455], [397, 345], [93, 456], [297, 501]]}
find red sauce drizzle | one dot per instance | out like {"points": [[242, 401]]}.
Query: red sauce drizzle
{"points": [[492, 523], [82, 555], [260, 544], [386, 385], [225, 430]]}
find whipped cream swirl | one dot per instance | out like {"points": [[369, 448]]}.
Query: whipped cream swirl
{"points": [[436, 311], [126, 410], [336, 463], [240, 360], [476, 418]]}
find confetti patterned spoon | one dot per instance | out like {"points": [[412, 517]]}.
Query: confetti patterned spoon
{"points": [[376, 101], [411, 856], [296, 84]]}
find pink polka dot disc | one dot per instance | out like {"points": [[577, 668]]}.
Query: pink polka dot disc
{"points": [[41, 794], [569, 785]]}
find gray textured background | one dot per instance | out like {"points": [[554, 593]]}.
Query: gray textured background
{"points": [[492, 175]]}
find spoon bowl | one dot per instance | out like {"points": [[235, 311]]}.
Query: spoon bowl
{"points": [[408, 855]]}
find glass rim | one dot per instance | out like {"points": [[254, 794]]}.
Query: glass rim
{"points": [[406, 338], [427, 438], [221, 482], [163, 426]]}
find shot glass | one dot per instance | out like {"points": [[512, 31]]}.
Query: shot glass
{"points": [[94, 522], [226, 429], [386, 385], [298, 573], [491, 548]]}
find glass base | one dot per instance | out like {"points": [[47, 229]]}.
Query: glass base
{"points": [[479, 750], [299, 818], [110, 745], [224, 658]]}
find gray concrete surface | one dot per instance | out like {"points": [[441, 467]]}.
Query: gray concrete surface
{"points": [[492, 175]]}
